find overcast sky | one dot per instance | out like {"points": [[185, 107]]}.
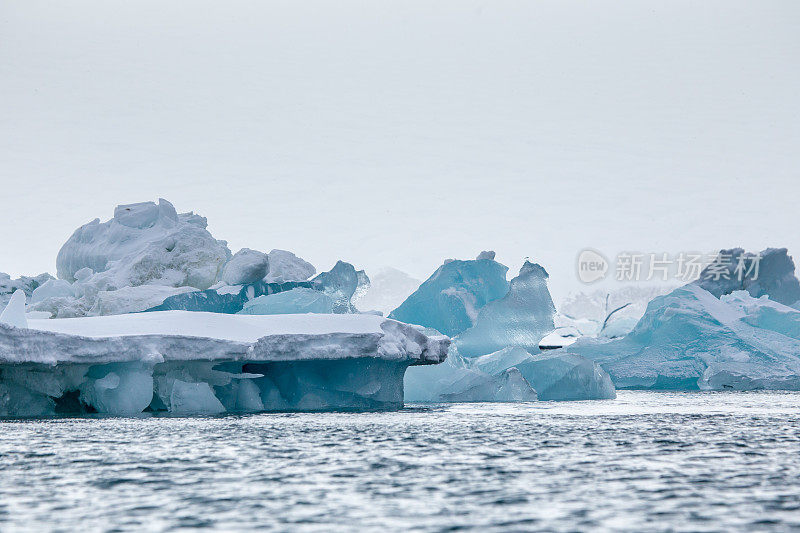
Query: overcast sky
{"points": [[405, 132]]}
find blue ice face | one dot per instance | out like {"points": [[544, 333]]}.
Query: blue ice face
{"points": [[300, 300], [213, 302], [449, 301], [520, 318], [340, 283]]}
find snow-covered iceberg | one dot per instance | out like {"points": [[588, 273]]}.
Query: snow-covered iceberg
{"points": [[27, 284], [194, 362], [145, 243]]}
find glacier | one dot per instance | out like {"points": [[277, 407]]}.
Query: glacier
{"points": [[183, 362], [449, 301]]}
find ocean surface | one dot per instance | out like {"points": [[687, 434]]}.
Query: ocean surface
{"points": [[644, 462]]}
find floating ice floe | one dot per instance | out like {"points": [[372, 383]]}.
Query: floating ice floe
{"points": [[204, 363], [509, 375]]}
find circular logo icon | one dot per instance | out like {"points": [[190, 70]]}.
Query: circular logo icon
{"points": [[592, 266]]}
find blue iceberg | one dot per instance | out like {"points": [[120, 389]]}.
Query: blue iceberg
{"points": [[520, 318], [449, 301]]}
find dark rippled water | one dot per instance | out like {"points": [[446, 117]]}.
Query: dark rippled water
{"points": [[643, 462]]}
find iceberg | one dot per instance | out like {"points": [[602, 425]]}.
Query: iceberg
{"points": [[146, 253], [226, 298], [606, 313], [388, 289], [286, 266], [300, 300], [457, 380], [690, 339], [770, 272], [449, 301], [27, 284], [246, 266], [509, 375], [145, 243], [14, 313], [520, 318], [341, 283], [206, 363], [53, 288]]}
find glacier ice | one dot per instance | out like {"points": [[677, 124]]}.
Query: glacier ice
{"points": [[286, 266], [14, 312], [246, 266], [226, 298], [299, 300], [388, 289], [771, 272], [689, 339], [341, 283], [495, 353], [204, 363], [329, 292], [510, 374], [449, 301], [27, 284], [53, 288], [145, 243], [606, 313], [520, 318], [143, 255], [508, 386], [149, 257]]}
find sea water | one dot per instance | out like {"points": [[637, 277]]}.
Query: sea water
{"points": [[647, 461]]}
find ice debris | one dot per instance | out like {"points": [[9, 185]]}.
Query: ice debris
{"points": [[14, 312]]}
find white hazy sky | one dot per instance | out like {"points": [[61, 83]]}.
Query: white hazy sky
{"points": [[405, 132]]}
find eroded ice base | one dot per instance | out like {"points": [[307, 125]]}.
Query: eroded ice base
{"points": [[201, 387], [204, 363]]}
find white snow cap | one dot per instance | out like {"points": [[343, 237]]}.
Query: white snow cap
{"points": [[14, 313], [246, 266]]}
